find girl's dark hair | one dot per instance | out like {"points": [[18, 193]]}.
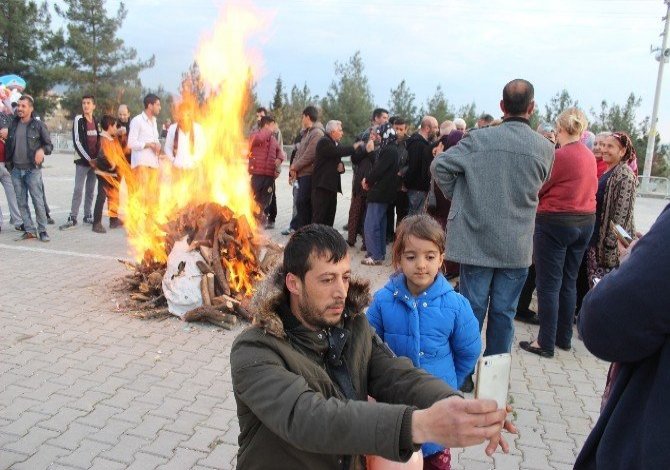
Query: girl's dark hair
{"points": [[421, 226]]}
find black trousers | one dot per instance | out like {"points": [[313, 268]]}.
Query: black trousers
{"points": [[401, 206], [104, 188], [324, 206], [304, 201], [263, 187], [527, 292], [271, 210]]}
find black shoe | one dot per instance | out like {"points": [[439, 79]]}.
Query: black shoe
{"points": [[20, 228], [468, 385], [50, 221], [526, 346], [528, 316], [115, 222], [27, 236], [71, 222], [88, 219], [44, 237], [564, 348]]}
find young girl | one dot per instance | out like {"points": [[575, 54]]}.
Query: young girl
{"points": [[420, 316]]}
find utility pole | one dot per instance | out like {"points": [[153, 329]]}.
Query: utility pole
{"points": [[662, 57]]}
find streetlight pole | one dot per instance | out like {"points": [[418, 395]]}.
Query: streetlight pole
{"points": [[662, 58]]}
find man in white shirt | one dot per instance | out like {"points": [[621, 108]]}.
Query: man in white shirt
{"points": [[185, 141], [144, 144]]}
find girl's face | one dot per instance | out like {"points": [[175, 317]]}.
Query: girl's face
{"points": [[420, 262]]}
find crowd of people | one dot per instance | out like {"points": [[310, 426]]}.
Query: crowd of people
{"points": [[499, 210], [482, 207], [106, 152]]}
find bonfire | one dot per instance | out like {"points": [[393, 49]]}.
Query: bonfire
{"points": [[206, 214]]}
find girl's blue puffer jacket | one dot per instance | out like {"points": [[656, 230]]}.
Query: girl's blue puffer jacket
{"points": [[436, 330]]}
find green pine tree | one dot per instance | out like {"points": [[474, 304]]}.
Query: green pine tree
{"points": [[29, 49], [349, 98], [97, 62]]}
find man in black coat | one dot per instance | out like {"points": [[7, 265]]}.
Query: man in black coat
{"points": [[328, 167]]}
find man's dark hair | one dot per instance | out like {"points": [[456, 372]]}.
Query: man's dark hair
{"points": [[261, 110], [321, 240], [378, 112], [26, 97], [487, 118], [150, 99], [265, 120], [88, 97], [398, 121], [517, 96], [311, 112], [107, 121]]}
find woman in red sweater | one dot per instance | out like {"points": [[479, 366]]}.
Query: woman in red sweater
{"points": [[563, 228]]}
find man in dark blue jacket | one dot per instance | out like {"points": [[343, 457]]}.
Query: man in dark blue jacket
{"points": [[28, 141], [625, 319]]}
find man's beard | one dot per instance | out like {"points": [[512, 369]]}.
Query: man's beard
{"points": [[313, 317]]}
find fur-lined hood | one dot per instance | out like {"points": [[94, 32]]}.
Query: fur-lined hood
{"points": [[270, 294]]}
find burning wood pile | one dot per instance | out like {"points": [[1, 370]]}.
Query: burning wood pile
{"points": [[229, 257]]}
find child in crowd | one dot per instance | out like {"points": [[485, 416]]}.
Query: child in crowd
{"points": [[420, 316]]}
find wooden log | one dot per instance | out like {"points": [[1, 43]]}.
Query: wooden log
{"points": [[127, 264], [139, 297], [208, 313], [210, 286], [217, 267], [203, 267], [206, 252], [204, 289]]}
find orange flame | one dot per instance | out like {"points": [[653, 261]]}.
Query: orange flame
{"points": [[220, 172]]}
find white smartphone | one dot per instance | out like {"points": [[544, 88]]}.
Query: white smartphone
{"points": [[621, 234], [493, 378]]}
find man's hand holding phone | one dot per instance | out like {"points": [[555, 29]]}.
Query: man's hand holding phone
{"points": [[457, 422]]}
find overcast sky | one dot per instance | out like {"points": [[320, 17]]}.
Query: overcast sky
{"points": [[596, 49]]}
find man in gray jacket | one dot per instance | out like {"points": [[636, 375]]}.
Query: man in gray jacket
{"points": [[493, 177]]}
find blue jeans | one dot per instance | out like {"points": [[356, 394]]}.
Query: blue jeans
{"points": [[30, 181], [496, 290], [374, 230], [417, 201], [558, 252]]}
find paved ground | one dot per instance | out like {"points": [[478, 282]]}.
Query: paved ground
{"points": [[85, 385]]}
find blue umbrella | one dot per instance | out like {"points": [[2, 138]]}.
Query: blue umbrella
{"points": [[13, 82]]}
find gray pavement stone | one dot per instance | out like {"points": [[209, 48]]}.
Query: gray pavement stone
{"points": [[144, 461], [165, 444], [84, 455], [45, 457], [183, 458], [79, 375], [9, 458], [105, 464]]}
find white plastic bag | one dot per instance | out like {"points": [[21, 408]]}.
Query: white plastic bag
{"points": [[181, 283]]}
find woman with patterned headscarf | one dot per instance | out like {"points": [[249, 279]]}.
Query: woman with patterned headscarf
{"points": [[382, 184], [615, 202]]}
